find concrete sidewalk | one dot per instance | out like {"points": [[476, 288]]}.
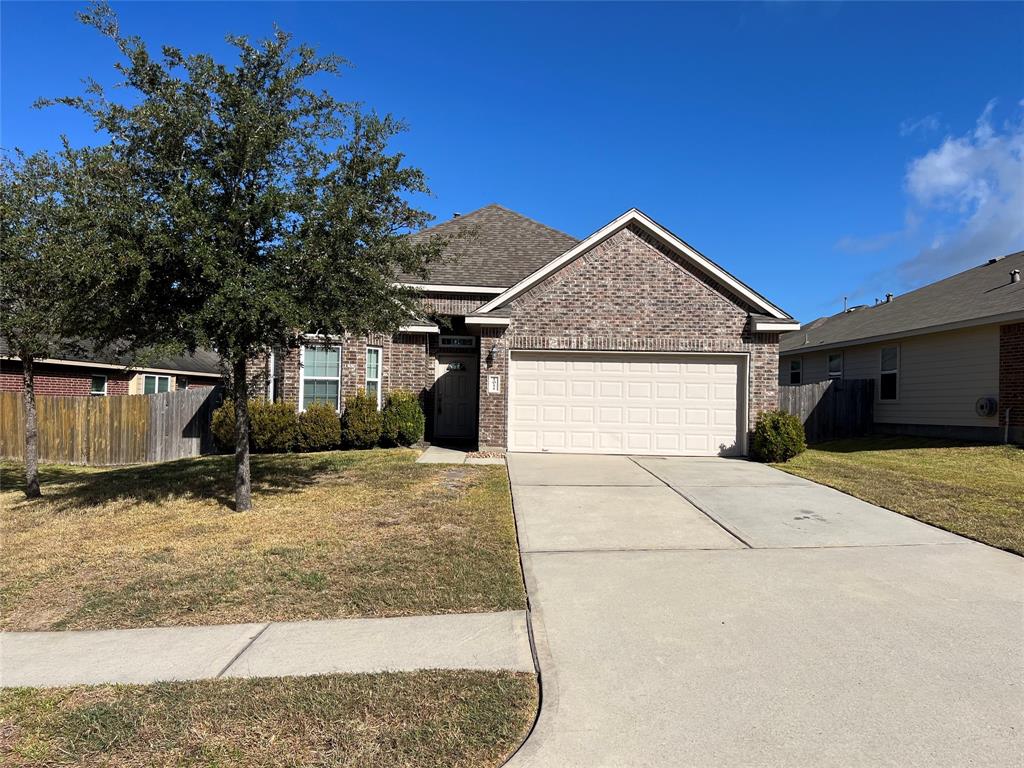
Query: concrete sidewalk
{"points": [[452, 641]]}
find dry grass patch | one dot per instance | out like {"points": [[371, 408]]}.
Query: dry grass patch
{"points": [[973, 490], [361, 533], [433, 718]]}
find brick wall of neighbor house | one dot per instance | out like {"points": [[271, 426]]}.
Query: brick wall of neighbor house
{"points": [[491, 432], [629, 294], [62, 380], [1011, 374]]}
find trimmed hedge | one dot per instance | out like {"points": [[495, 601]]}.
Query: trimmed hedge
{"points": [[403, 421], [319, 428], [361, 422], [778, 437], [273, 427]]}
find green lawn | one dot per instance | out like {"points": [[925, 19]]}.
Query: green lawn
{"points": [[331, 535], [973, 490], [417, 719]]}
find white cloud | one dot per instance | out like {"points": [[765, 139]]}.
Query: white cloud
{"points": [[969, 195], [926, 125]]}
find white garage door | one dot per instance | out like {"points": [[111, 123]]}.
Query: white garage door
{"points": [[683, 405]]}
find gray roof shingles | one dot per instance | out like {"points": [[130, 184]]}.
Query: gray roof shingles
{"points": [[979, 293], [492, 247], [204, 361]]}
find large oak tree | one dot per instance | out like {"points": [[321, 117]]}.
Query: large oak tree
{"points": [[260, 205]]}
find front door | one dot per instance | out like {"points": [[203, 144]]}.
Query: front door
{"points": [[455, 386]]}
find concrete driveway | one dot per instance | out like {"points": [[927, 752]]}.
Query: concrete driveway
{"points": [[715, 612]]}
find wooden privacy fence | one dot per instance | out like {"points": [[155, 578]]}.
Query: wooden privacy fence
{"points": [[833, 409], [124, 429]]}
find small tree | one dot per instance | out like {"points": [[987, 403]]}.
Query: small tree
{"points": [[50, 272], [261, 208]]}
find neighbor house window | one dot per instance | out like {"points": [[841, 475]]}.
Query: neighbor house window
{"points": [[795, 370], [321, 376], [889, 374], [152, 384], [373, 355], [181, 382], [98, 386], [835, 365]]}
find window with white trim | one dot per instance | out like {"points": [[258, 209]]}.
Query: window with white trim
{"points": [[181, 382], [98, 385], [373, 360], [321, 376], [796, 366], [835, 365], [152, 384], [889, 373]]}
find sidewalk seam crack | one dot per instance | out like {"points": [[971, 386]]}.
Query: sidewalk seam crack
{"points": [[245, 648]]}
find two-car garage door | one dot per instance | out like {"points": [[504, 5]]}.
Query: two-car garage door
{"points": [[660, 404]]}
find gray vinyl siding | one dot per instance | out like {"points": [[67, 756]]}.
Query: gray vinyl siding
{"points": [[941, 375]]}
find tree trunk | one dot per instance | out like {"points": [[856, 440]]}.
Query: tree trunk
{"points": [[243, 480], [31, 431]]}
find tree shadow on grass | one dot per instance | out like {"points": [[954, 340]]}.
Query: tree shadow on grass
{"points": [[210, 477]]}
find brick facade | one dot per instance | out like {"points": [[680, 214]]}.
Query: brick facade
{"points": [[454, 304], [1011, 374], [70, 380], [627, 293]]}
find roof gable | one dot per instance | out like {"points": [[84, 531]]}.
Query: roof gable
{"points": [[978, 295], [636, 218], [491, 247]]}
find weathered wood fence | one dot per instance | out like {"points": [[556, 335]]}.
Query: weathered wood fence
{"points": [[101, 431], [833, 409]]}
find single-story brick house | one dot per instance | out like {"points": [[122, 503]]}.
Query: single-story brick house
{"points": [[629, 341], [947, 359], [100, 373]]}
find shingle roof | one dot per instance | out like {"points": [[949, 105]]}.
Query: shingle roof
{"points": [[203, 361], [492, 247], [979, 293]]}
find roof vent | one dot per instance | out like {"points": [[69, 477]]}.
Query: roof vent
{"points": [[1014, 275], [888, 298], [456, 215], [993, 261]]}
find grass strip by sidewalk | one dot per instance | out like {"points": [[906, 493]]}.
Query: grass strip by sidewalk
{"points": [[431, 718], [331, 535], [973, 490]]}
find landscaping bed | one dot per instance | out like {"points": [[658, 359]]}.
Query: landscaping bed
{"points": [[432, 718], [973, 490], [331, 535]]}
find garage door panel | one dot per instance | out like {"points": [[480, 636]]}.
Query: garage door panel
{"points": [[625, 403]]}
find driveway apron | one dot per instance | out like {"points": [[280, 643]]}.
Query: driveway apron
{"points": [[714, 612]]}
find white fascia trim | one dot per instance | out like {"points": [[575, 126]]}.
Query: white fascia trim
{"points": [[115, 367], [502, 321], [630, 216], [776, 327], [430, 288], [418, 329]]}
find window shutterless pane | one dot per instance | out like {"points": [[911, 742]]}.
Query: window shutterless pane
{"points": [[888, 386], [373, 364], [320, 391], [99, 385], [890, 356], [371, 388], [148, 385], [163, 383], [321, 362], [835, 364]]}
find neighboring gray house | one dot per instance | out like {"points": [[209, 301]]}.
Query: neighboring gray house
{"points": [[947, 359]]}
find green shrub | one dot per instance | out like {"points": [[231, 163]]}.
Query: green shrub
{"points": [[223, 426], [319, 428], [361, 422], [274, 427], [778, 436], [403, 421]]}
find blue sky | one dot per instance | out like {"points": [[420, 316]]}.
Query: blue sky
{"points": [[814, 150]]}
